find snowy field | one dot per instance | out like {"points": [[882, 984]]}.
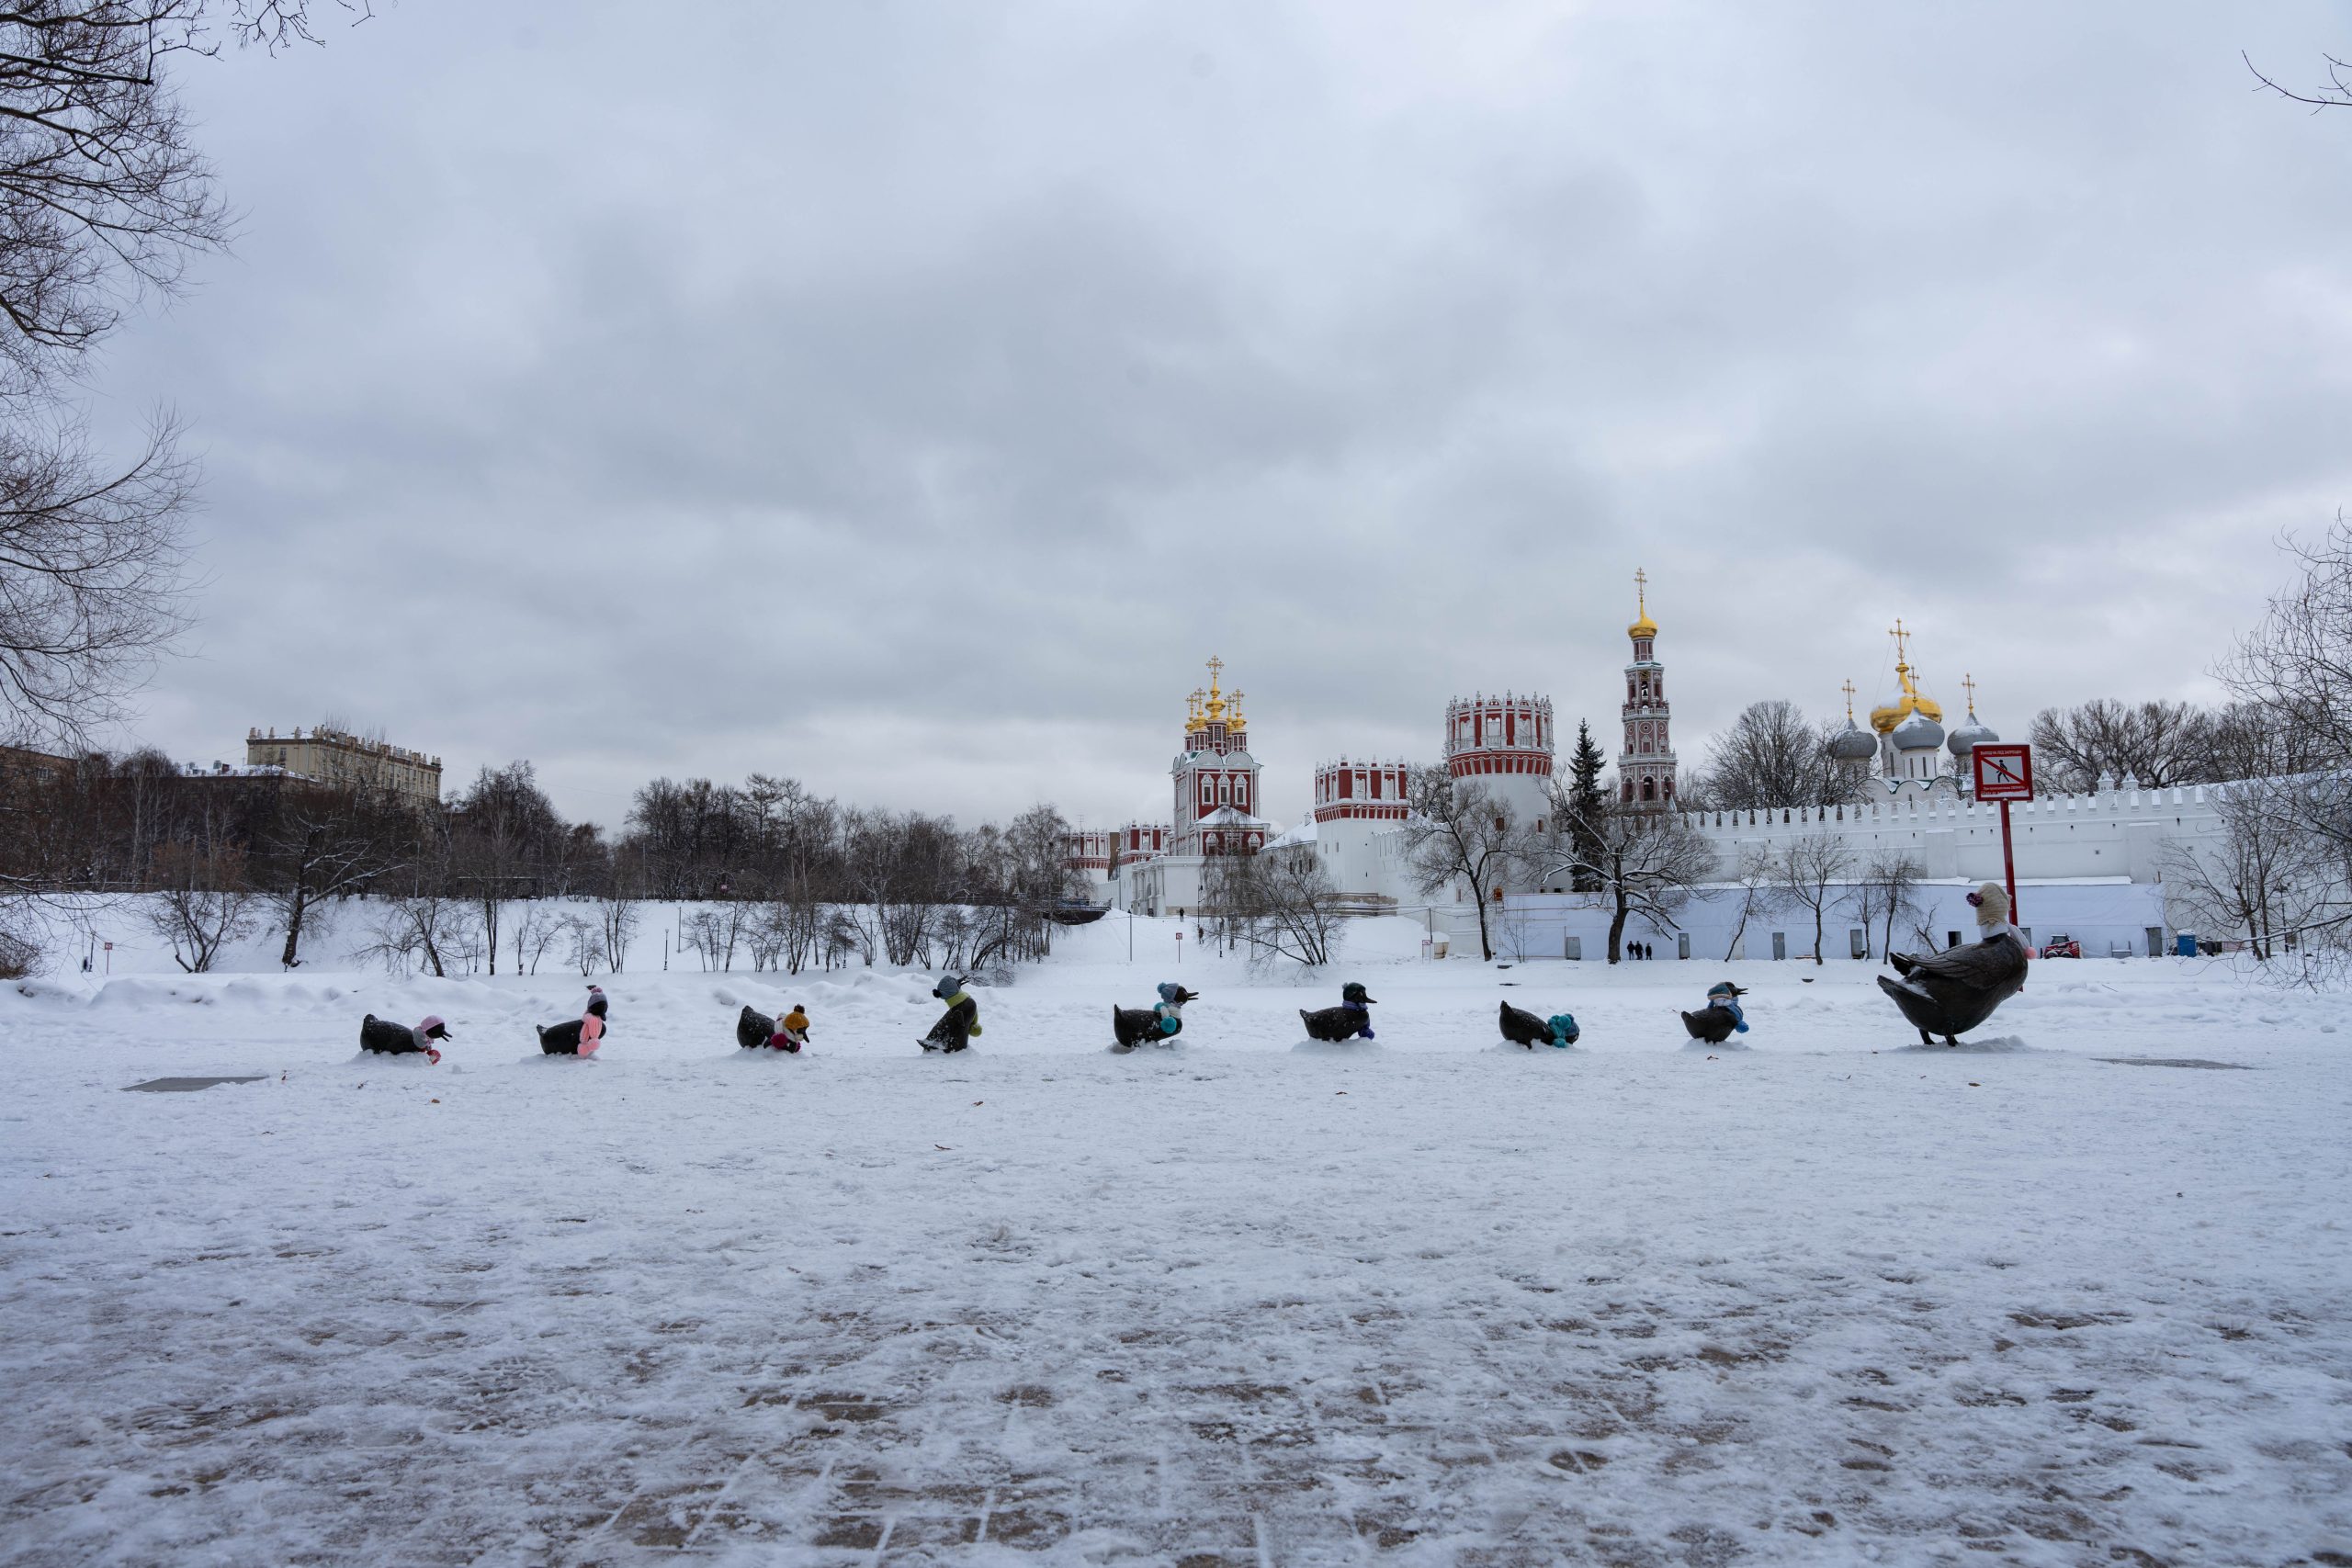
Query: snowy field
{"points": [[1830, 1299]]}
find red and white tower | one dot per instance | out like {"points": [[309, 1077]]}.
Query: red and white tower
{"points": [[1216, 777], [1360, 792], [1505, 744], [1138, 841], [1645, 767], [1355, 805]]}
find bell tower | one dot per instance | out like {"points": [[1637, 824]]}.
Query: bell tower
{"points": [[1215, 778], [1645, 766]]}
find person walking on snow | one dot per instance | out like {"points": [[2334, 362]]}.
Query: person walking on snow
{"points": [[791, 1031]]}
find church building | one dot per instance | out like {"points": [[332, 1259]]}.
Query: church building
{"points": [[1215, 781]]}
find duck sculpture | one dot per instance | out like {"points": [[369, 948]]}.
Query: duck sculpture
{"points": [[1521, 1027], [1350, 1020], [1721, 1018], [1156, 1025], [1952, 992], [957, 1026], [580, 1036]]}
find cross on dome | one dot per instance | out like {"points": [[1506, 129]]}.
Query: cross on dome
{"points": [[1907, 699], [1642, 625]]}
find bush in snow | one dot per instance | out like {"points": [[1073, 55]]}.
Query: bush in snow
{"points": [[19, 953]]}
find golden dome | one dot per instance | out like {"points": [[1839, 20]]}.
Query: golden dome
{"points": [[1642, 625], [1908, 701]]}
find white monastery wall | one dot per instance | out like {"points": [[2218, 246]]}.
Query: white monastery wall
{"points": [[2114, 833], [2106, 916]]}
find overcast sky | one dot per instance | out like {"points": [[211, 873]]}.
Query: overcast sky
{"points": [[907, 398]]}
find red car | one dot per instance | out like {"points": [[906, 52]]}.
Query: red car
{"points": [[2062, 947]]}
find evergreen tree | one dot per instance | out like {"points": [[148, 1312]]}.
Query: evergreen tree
{"points": [[1588, 805]]}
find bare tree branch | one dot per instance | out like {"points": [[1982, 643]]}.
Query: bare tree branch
{"points": [[2336, 94]]}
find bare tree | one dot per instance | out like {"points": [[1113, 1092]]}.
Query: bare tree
{"points": [[1644, 862], [102, 199], [1279, 904], [2245, 740], [2159, 744], [202, 904], [1459, 833], [1810, 872], [537, 929], [325, 845], [1773, 758], [715, 930], [20, 946], [90, 570], [1753, 874], [422, 926], [1888, 894], [2294, 672], [616, 921], [584, 942], [2267, 876], [505, 834]]}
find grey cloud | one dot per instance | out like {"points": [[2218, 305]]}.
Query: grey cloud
{"points": [[911, 400]]}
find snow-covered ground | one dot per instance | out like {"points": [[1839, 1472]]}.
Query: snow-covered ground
{"points": [[1832, 1298]]}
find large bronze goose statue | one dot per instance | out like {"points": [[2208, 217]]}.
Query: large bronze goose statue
{"points": [[1952, 992]]}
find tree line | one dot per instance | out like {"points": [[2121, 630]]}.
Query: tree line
{"points": [[778, 877]]}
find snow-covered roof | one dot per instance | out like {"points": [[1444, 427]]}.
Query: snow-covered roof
{"points": [[1227, 816], [1918, 733], [1303, 833]]}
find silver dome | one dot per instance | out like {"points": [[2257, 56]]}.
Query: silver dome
{"points": [[1853, 744], [1968, 736], [1918, 733]]}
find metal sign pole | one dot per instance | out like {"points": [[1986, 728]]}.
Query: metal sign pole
{"points": [[2010, 866], [2005, 774]]}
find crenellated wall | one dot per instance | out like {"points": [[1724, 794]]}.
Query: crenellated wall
{"points": [[2119, 832]]}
